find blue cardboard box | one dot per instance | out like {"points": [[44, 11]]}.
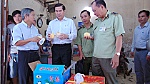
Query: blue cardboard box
{"points": [[50, 74]]}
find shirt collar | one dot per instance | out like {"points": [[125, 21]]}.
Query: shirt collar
{"points": [[62, 19], [146, 25], [106, 16], [89, 27], [26, 24]]}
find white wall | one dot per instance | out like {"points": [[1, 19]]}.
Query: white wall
{"points": [[127, 8], [20, 4]]}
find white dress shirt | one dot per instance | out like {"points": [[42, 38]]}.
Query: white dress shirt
{"points": [[22, 32], [65, 26]]}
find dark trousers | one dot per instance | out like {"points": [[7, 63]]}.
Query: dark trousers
{"points": [[61, 54], [102, 67], [147, 76], [24, 71], [86, 65], [141, 67]]}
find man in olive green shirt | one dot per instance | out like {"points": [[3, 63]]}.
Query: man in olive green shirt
{"points": [[85, 46], [108, 32]]}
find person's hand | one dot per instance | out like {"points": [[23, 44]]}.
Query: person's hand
{"points": [[63, 36], [148, 57], [82, 56], [35, 39], [89, 37], [115, 61], [9, 57], [132, 54]]}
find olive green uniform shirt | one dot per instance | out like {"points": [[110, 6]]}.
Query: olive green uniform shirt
{"points": [[105, 33], [87, 45]]}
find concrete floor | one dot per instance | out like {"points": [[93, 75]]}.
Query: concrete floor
{"points": [[128, 80]]}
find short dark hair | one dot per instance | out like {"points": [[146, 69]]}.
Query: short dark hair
{"points": [[85, 11], [10, 18], [145, 11], [58, 5], [99, 2], [16, 12]]}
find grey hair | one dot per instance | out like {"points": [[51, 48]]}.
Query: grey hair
{"points": [[25, 11]]}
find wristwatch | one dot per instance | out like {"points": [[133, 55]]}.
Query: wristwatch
{"points": [[117, 53]]}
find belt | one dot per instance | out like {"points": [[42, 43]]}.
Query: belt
{"points": [[13, 53], [140, 49], [62, 44], [28, 50]]}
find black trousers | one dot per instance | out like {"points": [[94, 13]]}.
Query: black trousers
{"points": [[24, 71], [87, 63], [61, 54]]}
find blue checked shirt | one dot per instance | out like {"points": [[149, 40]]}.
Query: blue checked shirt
{"points": [[140, 37], [21, 32]]}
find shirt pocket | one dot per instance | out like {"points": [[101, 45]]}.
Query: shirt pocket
{"points": [[144, 35], [108, 30], [66, 29]]}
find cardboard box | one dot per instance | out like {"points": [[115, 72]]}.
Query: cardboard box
{"points": [[88, 80], [50, 74], [33, 65]]}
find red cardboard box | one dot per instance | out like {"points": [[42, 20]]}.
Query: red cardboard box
{"points": [[88, 80]]}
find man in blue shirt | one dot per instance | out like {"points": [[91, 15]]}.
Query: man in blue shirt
{"points": [[139, 51], [25, 37]]}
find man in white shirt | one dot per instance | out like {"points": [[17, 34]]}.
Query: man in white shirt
{"points": [[61, 31]]}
